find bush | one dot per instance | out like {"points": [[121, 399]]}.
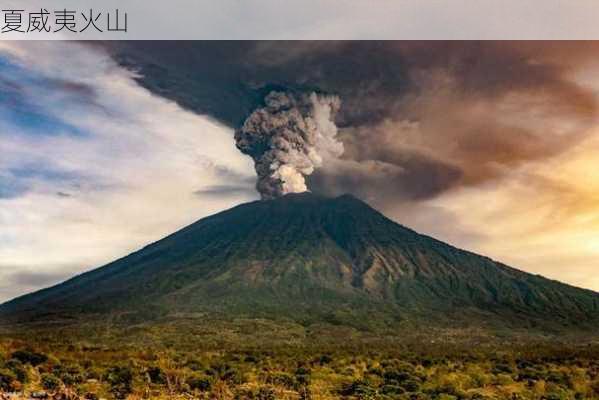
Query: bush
{"points": [[397, 376], [502, 368], [156, 375], [392, 389], [120, 380], [302, 377], [7, 380], [266, 393], [195, 365], [358, 387], [281, 379], [324, 359], [29, 357], [71, 379], [225, 372], [199, 382], [410, 385], [50, 382], [18, 369], [93, 373], [69, 374]]}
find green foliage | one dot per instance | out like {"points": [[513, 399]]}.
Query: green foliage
{"points": [[7, 379], [359, 388], [362, 370], [225, 372], [69, 374], [200, 382], [156, 375], [29, 357], [18, 369], [50, 381], [266, 393], [120, 379]]}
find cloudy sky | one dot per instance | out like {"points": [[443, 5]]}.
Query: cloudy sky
{"points": [[490, 146]]}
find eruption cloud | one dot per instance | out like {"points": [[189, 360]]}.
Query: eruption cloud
{"points": [[288, 138]]}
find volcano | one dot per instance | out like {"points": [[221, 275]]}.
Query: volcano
{"points": [[308, 258]]}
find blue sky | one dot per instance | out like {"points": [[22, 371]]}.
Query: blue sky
{"points": [[94, 166]]}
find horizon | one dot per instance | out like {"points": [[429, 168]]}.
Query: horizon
{"points": [[293, 194], [99, 159]]}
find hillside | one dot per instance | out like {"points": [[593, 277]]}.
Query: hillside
{"points": [[312, 259]]}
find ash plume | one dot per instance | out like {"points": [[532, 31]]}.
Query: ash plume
{"points": [[288, 138]]}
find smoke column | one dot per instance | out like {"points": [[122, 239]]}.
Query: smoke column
{"points": [[288, 139]]}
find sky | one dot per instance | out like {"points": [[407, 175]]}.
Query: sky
{"points": [[489, 146], [93, 166]]}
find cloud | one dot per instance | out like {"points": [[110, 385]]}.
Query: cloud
{"points": [[19, 279], [230, 190], [463, 113], [36, 279], [107, 167], [465, 141], [543, 217], [488, 145]]}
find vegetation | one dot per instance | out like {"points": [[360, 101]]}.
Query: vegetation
{"points": [[312, 259], [69, 367], [302, 298]]}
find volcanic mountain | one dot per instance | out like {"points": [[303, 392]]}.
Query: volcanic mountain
{"points": [[307, 258]]}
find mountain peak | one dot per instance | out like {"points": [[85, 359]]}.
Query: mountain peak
{"points": [[307, 257], [313, 197], [301, 196]]}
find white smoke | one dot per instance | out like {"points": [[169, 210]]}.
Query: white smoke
{"points": [[288, 138]]}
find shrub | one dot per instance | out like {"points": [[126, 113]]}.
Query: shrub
{"points": [[225, 372], [120, 380], [559, 378], [195, 365], [199, 382], [50, 382], [502, 368], [7, 380], [410, 385], [358, 387], [71, 379], [156, 375], [392, 389], [266, 393], [398, 376], [69, 374], [302, 377], [29, 357], [93, 373], [18, 369], [281, 379], [324, 359], [251, 359], [531, 374]]}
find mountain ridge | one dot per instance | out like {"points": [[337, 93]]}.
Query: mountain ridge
{"points": [[312, 258]]}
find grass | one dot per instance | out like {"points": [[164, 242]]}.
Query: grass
{"points": [[261, 359]]}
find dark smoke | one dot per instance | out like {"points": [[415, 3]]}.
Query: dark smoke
{"points": [[419, 119], [288, 138]]}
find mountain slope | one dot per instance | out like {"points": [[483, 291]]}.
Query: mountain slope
{"points": [[310, 258]]}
